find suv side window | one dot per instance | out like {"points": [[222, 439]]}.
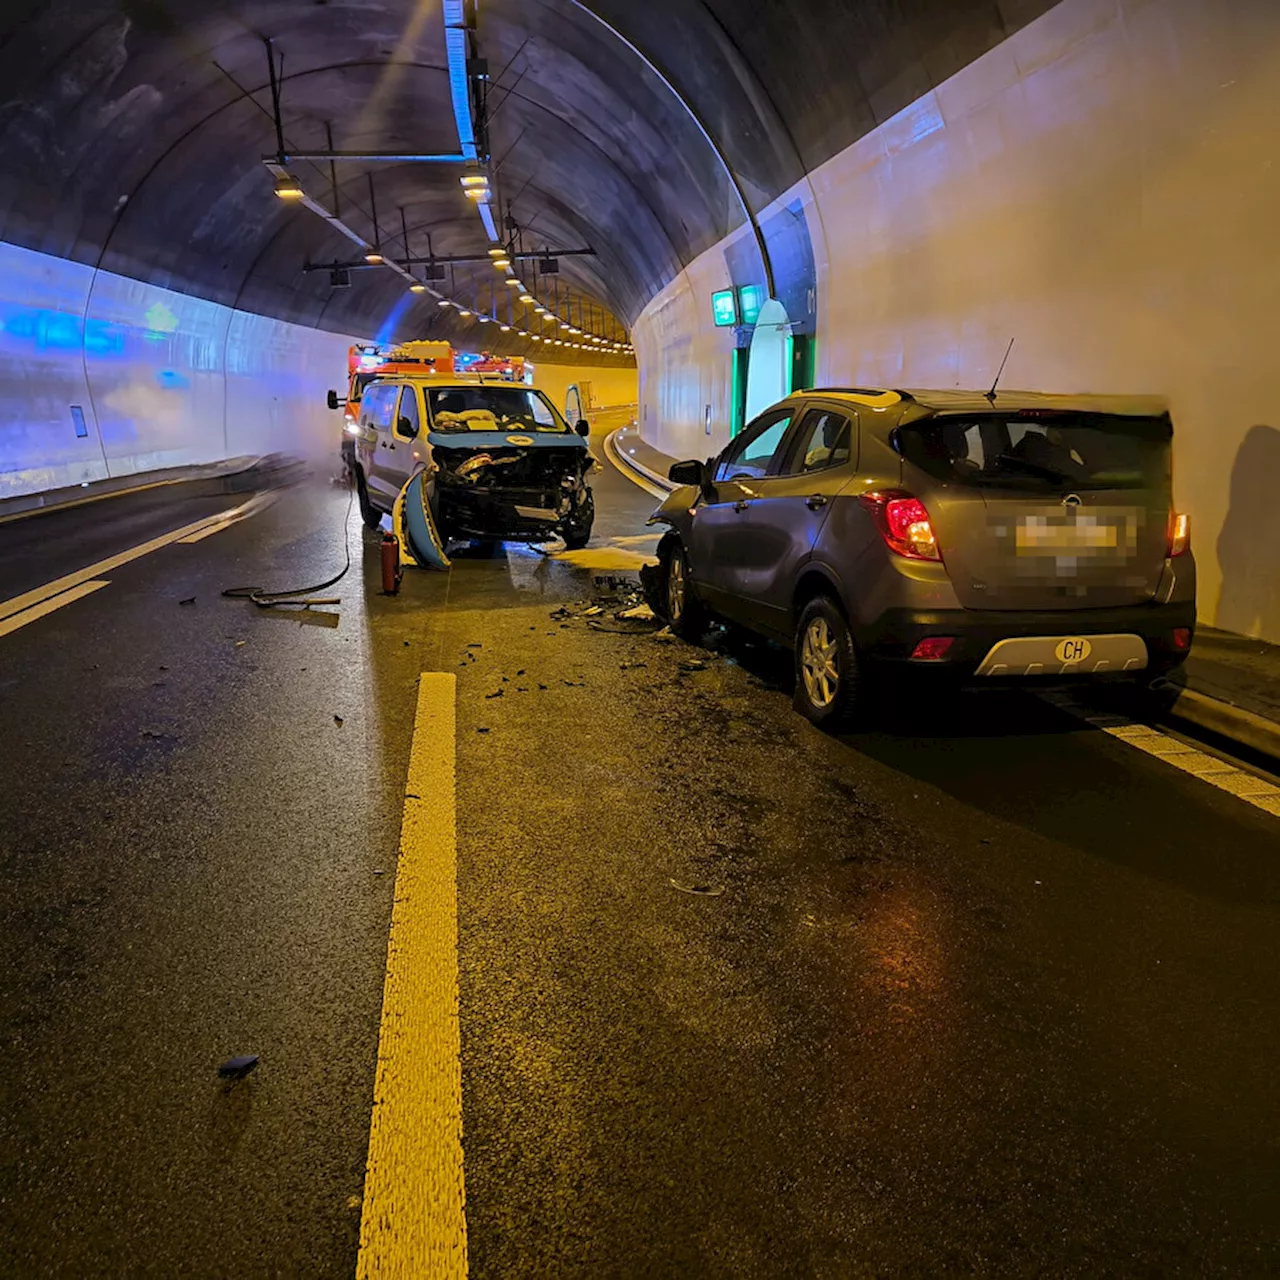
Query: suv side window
{"points": [[749, 456], [408, 418], [825, 440]]}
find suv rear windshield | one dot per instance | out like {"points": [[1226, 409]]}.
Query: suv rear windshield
{"points": [[1044, 449], [490, 408]]}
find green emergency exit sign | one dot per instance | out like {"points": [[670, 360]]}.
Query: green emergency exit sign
{"points": [[724, 306]]}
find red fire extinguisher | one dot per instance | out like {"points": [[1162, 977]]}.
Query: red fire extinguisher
{"points": [[391, 571]]}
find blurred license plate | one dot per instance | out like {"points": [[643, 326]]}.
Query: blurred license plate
{"points": [[1038, 535]]}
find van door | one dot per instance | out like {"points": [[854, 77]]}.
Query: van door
{"points": [[383, 477], [1045, 509]]}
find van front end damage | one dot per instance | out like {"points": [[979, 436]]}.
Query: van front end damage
{"points": [[511, 492]]}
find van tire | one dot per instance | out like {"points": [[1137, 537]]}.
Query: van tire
{"points": [[370, 514], [831, 687]]}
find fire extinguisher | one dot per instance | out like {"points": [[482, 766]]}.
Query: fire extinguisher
{"points": [[391, 571]]}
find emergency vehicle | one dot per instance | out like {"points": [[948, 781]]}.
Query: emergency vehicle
{"points": [[367, 361]]}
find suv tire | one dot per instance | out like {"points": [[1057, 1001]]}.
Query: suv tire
{"points": [[685, 613], [370, 514], [831, 689]]}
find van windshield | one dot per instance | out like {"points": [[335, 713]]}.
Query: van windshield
{"points": [[1041, 449], [493, 408]]}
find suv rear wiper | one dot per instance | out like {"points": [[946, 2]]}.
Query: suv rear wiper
{"points": [[1034, 468]]}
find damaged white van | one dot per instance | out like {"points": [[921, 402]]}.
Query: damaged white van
{"points": [[499, 462]]}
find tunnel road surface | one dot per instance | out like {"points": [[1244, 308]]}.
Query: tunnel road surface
{"points": [[985, 989]]}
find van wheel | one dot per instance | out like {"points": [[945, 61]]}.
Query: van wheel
{"points": [[685, 613], [371, 516], [831, 689], [577, 532]]}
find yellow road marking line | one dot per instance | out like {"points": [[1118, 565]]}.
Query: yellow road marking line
{"points": [[17, 603], [1240, 783], [16, 620], [413, 1223]]}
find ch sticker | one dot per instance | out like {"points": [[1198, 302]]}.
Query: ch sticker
{"points": [[1076, 649]]}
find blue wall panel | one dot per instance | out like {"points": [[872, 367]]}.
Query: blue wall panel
{"points": [[164, 379]]}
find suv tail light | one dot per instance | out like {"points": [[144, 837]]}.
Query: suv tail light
{"points": [[903, 523], [1179, 533]]}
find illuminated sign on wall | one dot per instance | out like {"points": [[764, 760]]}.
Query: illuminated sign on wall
{"points": [[724, 306], [751, 301]]}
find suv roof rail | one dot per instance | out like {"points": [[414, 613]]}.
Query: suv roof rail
{"points": [[844, 391]]}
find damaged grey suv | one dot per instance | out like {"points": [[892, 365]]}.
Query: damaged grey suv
{"points": [[1018, 537]]}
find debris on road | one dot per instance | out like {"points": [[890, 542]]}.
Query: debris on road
{"points": [[238, 1067], [482, 729], [699, 890], [641, 613], [497, 693], [338, 721], [188, 600]]}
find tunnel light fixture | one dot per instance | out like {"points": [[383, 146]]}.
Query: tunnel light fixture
{"points": [[417, 288], [482, 318], [373, 258], [506, 328], [288, 187], [465, 314], [497, 253], [444, 302], [513, 283], [502, 264], [574, 331], [526, 298], [475, 186]]}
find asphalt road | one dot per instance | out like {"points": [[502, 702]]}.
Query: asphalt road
{"points": [[984, 990]]}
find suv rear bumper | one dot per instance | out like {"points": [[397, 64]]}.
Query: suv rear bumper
{"points": [[894, 635]]}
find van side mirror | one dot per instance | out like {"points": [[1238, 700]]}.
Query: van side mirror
{"points": [[333, 400], [583, 428], [406, 428], [687, 472]]}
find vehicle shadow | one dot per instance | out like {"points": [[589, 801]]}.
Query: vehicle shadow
{"points": [[1249, 601], [1028, 764]]}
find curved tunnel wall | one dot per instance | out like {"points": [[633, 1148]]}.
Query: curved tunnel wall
{"points": [[163, 379], [1101, 186]]}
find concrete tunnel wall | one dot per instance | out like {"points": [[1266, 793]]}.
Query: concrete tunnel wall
{"points": [[164, 379], [1105, 187]]}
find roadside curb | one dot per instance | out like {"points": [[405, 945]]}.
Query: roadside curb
{"points": [[1230, 721], [235, 475], [625, 463]]}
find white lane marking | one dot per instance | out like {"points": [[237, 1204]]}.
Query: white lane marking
{"points": [[413, 1223], [641, 482], [16, 620], [1240, 783], [252, 507], [28, 598]]}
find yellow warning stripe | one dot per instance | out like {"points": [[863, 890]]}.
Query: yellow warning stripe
{"points": [[413, 1223]]}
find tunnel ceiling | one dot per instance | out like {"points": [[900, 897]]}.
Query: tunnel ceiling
{"points": [[132, 135]]}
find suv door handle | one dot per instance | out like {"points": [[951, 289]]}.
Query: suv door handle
{"points": [[814, 501], [741, 505]]}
